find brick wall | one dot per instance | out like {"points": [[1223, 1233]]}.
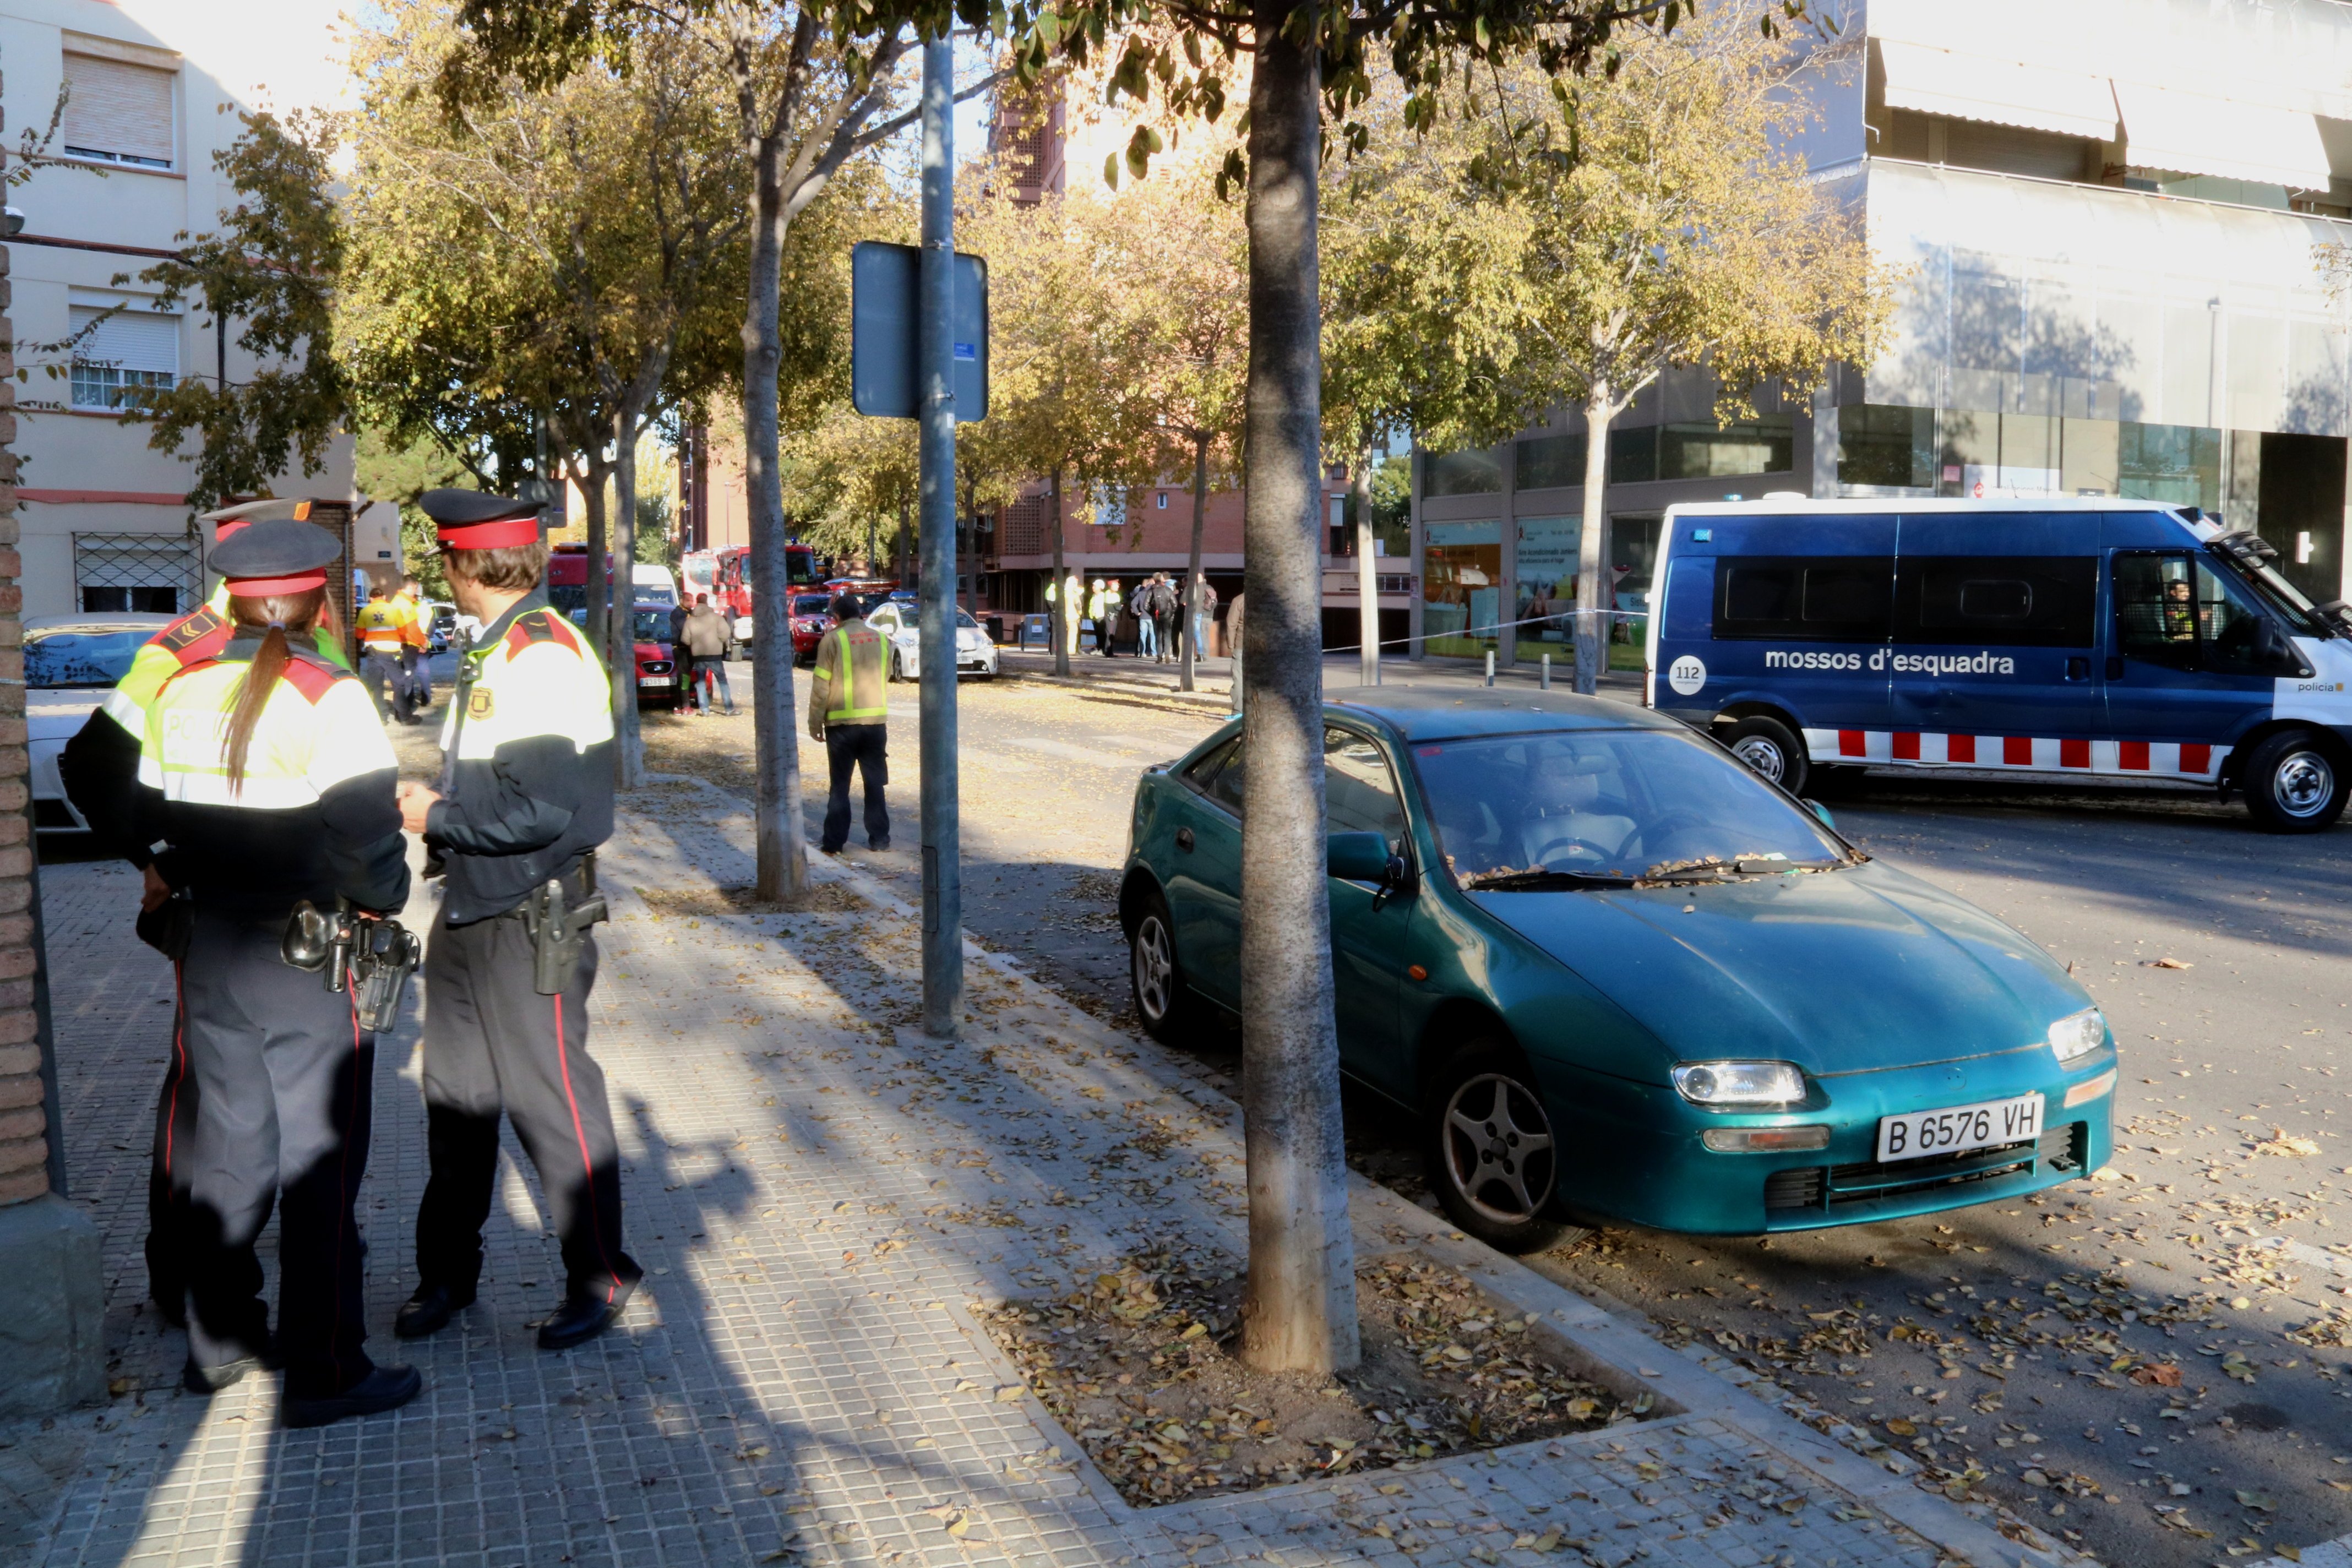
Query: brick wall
{"points": [[24, 1131]]}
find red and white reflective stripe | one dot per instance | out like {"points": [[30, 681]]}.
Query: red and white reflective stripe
{"points": [[2172, 759]]}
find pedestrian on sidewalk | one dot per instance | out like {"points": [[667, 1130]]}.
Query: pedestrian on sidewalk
{"points": [[849, 714], [295, 804], [1233, 646], [525, 797], [1204, 615], [705, 638], [384, 634], [1160, 610], [1098, 615], [1147, 630], [416, 646], [99, 769], [680, 661]]}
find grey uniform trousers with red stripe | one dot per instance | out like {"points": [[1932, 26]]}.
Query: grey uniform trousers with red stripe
{"points": [[283, 1077], [493, 1044]]}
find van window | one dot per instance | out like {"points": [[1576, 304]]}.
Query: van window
{"points": [[2001, 601], [1836, 598], [2180, 613]]}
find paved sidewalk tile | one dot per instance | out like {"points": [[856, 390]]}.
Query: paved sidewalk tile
{"points": [[818, 1191]]}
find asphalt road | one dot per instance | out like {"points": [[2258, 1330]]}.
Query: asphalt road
{"points": [[2000, 1342], [2021, 1325]]}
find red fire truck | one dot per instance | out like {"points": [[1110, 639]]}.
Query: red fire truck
{"points": [[726, 576]]}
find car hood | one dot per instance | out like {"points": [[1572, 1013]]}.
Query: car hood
{"points": [[56, 713], [1842, 971]]}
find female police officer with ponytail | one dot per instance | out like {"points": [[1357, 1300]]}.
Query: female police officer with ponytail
{"points": [[264, 781]]}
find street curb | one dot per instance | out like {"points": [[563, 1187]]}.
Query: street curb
{"points": [[1617, 1354], [2335, 1554]]}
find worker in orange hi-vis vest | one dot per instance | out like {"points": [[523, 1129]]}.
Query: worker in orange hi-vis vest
{"points": [[384, 628]]}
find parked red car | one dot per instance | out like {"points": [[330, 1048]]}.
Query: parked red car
{"points": [[660, 682]]}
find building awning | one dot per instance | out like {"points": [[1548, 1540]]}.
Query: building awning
{"points": [[1972, 86], [2190, 133]]}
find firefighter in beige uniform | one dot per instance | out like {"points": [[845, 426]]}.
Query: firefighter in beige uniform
{"points": [[526, 796]]}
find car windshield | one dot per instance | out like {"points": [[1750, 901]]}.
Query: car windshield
{"points": [[653, 625], [81, 656], [1609, 806], [2284, 596], [812, 604], [911, 617]]}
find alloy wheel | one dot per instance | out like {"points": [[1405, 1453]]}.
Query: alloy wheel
{"points": [[1499, 1148], [1155, 968]]}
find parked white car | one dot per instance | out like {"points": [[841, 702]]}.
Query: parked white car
{"points": [[71, 662], [975, 654], [652, 584]]}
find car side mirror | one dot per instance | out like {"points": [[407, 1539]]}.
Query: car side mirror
{"points": [[2275, 650], [1360, 857], [1823, 812]]}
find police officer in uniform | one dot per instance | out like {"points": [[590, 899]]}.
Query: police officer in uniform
{"points": [[526, 796], [103, 757], [262, 781]]}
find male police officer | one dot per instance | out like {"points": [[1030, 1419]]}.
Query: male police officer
{"points": [[98, 767], [849, 712], [525, 795]]}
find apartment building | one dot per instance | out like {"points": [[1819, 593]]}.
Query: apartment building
{"points": [[146, 92], [2113, 216]]}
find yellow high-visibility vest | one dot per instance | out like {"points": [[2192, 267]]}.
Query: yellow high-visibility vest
{"points": [[857, 651]]}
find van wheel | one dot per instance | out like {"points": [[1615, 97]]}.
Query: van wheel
{"points": [[1772, 749], [1491, 1149], [2293, 784]]}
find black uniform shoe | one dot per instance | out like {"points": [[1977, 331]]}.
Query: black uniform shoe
{"points": [[199, 1379], [385, 1388], [429, 1310], [582, 1318]]}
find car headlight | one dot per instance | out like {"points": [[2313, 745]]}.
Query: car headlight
{"points": [[1740, 1083], [2077, 1034]]}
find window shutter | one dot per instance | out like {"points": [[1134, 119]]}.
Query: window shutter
{"points": [[119, 110], [137, 339]]}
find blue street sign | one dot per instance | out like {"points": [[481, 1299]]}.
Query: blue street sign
{"points": [[883, 379]]}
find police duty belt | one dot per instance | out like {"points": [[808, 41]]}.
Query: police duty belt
{"points": [[372, 954], [559, 928]]}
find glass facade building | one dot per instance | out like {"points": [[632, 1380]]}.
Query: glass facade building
{"points": [[2112, 223]]}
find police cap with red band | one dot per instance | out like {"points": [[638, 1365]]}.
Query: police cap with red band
{"points": [[475, 520], [227, 521], [275, 555]]}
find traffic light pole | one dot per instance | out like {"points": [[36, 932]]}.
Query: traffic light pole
{"points": [[934, 347]]}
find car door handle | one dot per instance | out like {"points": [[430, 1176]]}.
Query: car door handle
{"points": [[2078, 670], [1184, 838]]}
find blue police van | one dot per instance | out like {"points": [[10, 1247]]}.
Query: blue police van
{"points": [[2128, 639]]}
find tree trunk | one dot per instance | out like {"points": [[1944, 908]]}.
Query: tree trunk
{"points": [[1368, 577], [1591, 591], [783, 875], [1065, 613], [1193, 594], [628, 737], [598, 622], [1298, 1310]]}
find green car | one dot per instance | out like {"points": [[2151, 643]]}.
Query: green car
{"points": [[1615, 973]]}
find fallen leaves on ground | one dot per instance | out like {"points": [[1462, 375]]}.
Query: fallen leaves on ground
{"points": [[1140, 1363]]}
